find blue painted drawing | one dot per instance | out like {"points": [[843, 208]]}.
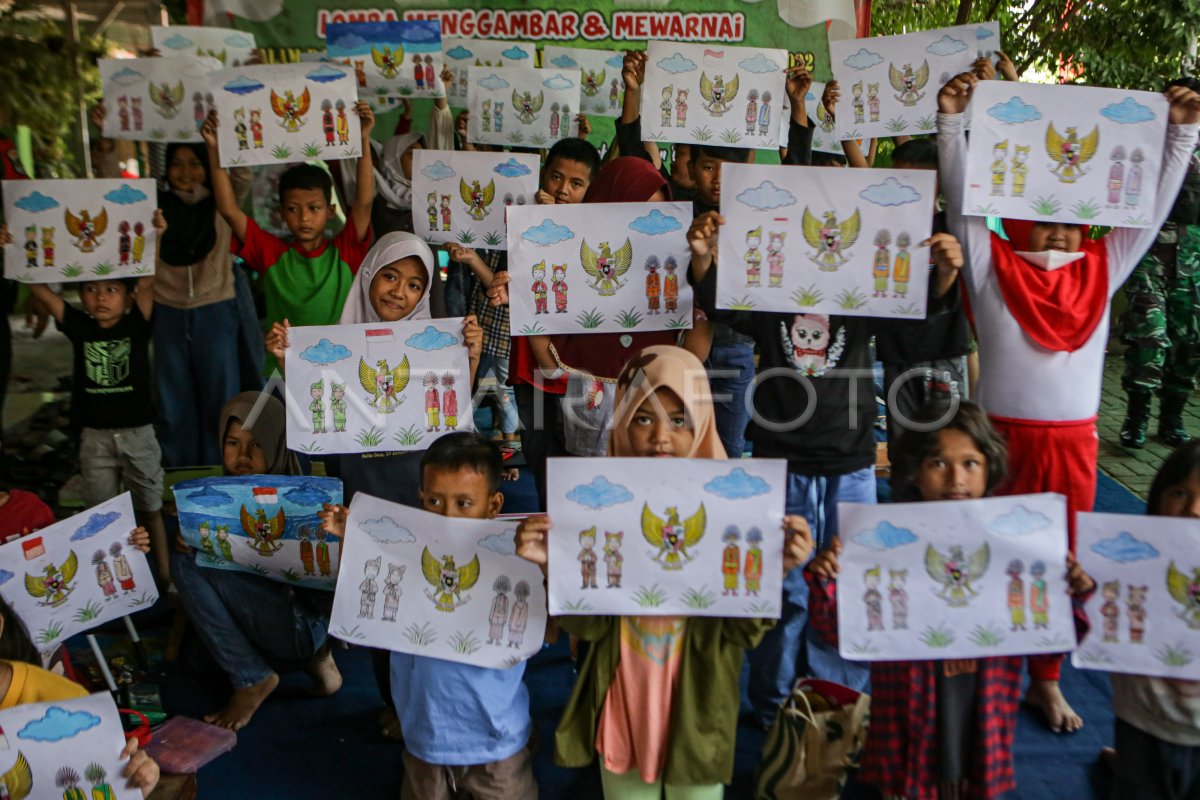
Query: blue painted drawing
{"points": [[547, 232], [126, 77], [946, 46], [1127, 112], [178, 42], [325, 74], [95, 523], [564, 61], [862, 59], [766, 196], [676, 63], [459, 53], [35, 202], [504, 544], [58, 724], [1014, 112], [599, 493], [243, 85], [984, 33], [890, 193], [325, 352], [1020, 521], [558, 83], [512, 169], [515, 53], [438, 171], [387, 531], [1124, 548], [125, 195], [884, 536], [737, 485], [493, 82], [431, 339], [759, 64], [655, 223]]}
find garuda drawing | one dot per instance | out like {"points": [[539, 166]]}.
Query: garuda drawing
{"points": [[718, 95], [17, 783], [447, 580], [167, 99], [830, 239], [290, 110], [672, 537], [477, 198], [86, 229], [1070, 153], [955, 572], [264, 533], [908, 84], [54, 587], [382, 384], [1186, 592], [605, 267], [592, 81], [527, 106], [388, 61]]}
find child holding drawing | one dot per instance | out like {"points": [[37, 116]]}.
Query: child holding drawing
{"points": [[940, 730], [652, 722]]}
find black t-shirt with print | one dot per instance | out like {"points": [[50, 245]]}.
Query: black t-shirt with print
{"points": [[111, 381]]}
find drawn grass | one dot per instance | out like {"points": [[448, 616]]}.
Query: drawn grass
{"points": [[184, 133], [702, 133], [405, 91], [650, 596], [350, 152], [590, 319], [661, 136], [532, 330], [539, 138], [50, 633], [290, 574], [897, 125], [141, 601], [346, 634], [493, 238], [764, 608], [679, 322], [577, 606], [1085, 209], [259, 569], [807, 296], [104, 269], [939, 636], [910, 310], [281, 151], [408, 436], [985, 210], [1135, 222], [156, 133], [311, 447], [512, 661], [743, 303], [1094, 657], [72, 271], [864, 649], [237, 161], [699, 598], [1055, 642], [850, 300], [464, 643], [465, 237], [369, 437], [422, 636], [629, 318], [1176, 655], [986, 636], [88, 612], [927, 123], [516, 137], [1046, 206], [312, 150], [731, 136], [853, 134]]}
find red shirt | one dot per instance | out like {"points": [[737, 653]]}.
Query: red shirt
{"points": [[23, 513]]}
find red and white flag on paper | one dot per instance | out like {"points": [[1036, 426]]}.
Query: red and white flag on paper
{"points": [[33, 548], [266, 495]]}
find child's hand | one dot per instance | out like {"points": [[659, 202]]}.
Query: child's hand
{"points": [[463, 255], [333, 519], [946, 253], [956, 94], [276, 341], [1078, 581], [159, 222], [5, 236], [797, 542], [585, 125], [139, 539], [461, 123], [208, 131], [142, 771], [633, 70], [1006, 66], [498, 293], [472, 337], [830, 97], [1185, 105], [984, 69], [702, 236], [825, 565], [447, 77], [366, 120], [532, 537], [543, 198], [97, 116], [798, 82]]}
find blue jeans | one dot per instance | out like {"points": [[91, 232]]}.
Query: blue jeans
{"points": [[1149, 768], [733, 365], [790, 649], [251, 625], [506, 419], [196, 371]]}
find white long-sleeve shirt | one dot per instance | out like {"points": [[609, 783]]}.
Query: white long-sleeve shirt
{"points": [[1020, 379]]}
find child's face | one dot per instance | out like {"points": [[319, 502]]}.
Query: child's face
{"points": [[397, 288], [105, 301], [681, 174], [459, 493], [660, 427], [407, 158], [1055, 236], [706, 175], [1182, 499], [956, 471], [243, 455], [185, 173], [306, 212], [566, 180]]}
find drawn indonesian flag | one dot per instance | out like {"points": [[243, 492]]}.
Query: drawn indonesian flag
{"points": [[380, 336], [33, 548], [266, 495]]}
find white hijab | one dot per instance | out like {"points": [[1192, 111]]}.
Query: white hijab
{"points": [[388, 249]]}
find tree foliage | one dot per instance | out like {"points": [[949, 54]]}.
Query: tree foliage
{"points": [[1132, 44]]}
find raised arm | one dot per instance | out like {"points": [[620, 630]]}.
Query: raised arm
{"points": [[629, 124], [971, 232], [144, 296], [800, 132], [222, 186], [364, 194]]}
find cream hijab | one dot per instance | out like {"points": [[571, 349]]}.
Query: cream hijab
{"points": [[388, 249]]}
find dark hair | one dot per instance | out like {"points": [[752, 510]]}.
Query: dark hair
{"points": [[305, 176], [1178, 466], [575, 149], [1186, 81], [820, 159], [201, 153], [914, 446], [921, 153], [130, 284], [738, 155], [15, 644], [468, 450]]}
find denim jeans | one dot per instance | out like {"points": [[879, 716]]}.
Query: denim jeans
{"points": [[506, 418], [251, 625], [1149, 768], [733, 365], [790, 649]]}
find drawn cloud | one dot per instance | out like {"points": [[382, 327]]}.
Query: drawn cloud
{"points": [[307, 494], [243, 85], [559, 83], [655, 223], [1124, 548], [35, 202], [616, 62], [325, 352], [1127, 112], [95, 523], [737, 485], [325, 74], [125, 195], [984, 33], [548, 232], [600, 493], [5, 576], [515, 53], [511, 169], [431, 339], [862, 59], [493, 82], [438, 171], [209, 496], [177, 42], [564, 61], [58, 724], [504, 544], [759, 64], [767, 196], [422, 30], [1014, 111], [458, 53], [387, 531], [946, 46], [890, 193], [884, 536], [238, 40], [1019, 522], [349, 41], [676, 63], [126, 77]]}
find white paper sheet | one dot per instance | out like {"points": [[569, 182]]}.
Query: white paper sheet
{"points": [[354, 388], [601, 85], [819, 240], [76, 574], [599, 268], [391, 59], [79, 230], [1145, 612], [462, 197], [157, 99], [714, 94], [961, 579], [443, 587], [462, 54], [522, 106], [1075, 154], [644, 537], [229, 46], [825, 138]]}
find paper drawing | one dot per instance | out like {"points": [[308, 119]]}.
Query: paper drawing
{"points": [[950, 581], [601, 85], [1145, 612], [377, 387], [1081, 155], [847, 249], [890, 83], [451, 588], [157, 99], [467, 195], [825, 138], [395, 59], [703, 540], [230, 47], [729, 96], [521, 105], [612, 267], [462, 54], [76, 574]]}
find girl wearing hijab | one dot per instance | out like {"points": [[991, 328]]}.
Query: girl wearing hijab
{"points": [[657, 697], [252, 626], [1041, 305]]}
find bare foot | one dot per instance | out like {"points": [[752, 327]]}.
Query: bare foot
{"points": [[1047, 697], [241, 706], [324, 672]]}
